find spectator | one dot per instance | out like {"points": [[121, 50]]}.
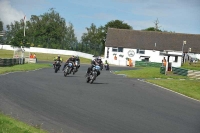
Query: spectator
{"points": [[31, 56], [34, 56], [164, 62]]}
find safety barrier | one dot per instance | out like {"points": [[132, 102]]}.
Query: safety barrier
{"points": [[184, 72], [162, 70], [180, 71], [147, 64], [11, 61]]}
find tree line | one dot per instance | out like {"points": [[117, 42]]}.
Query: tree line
{"points": [[50, 30]]}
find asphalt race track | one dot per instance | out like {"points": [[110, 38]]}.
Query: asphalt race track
{"points": [[112, 104]]}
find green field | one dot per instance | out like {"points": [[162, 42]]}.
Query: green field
{"points": [[41, 56]]}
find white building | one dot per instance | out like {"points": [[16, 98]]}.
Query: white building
{"points": [[148, 46]]}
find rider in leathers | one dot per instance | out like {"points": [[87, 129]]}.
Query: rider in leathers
{"points": [[94, 62], [77, 59], [58, 58], [70, 60]]}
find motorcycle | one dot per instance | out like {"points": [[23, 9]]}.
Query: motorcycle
{"points": [[107, 66], [76, 67], [57, 66], [93, 74], [101, 66], [68, 69]]}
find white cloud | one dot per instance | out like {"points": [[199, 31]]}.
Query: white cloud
{"points": [[9, 14]]}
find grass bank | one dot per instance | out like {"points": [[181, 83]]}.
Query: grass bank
{"points": [[22, 67], [193, 66], [184, 86], [190, 88], [148, 73], [10, 125], [42, 56]]}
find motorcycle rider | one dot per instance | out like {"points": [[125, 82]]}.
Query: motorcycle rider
{"points": [[58, 58], [106, 65], [70, 60], [94, 62], [78, 62], [100, 62], [77, 59]]}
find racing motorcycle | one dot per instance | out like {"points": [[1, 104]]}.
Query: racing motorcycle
{"points": [[57, 66], [106, 65], [93, 74], [101, 66], [76, 67], [68, 69]]}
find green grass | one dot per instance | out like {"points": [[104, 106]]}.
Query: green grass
{"points": [[6, 53], [190, 88], [184, 86], [11, 125], [147, 72], [193, 66], [41, 56], [22, 67]]}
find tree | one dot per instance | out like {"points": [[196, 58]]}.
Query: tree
{"points": [[94, 40], [48, 30], [14, 34], [70, 41], [151, 29], [155, 28], [117, 24], [90, 39]]}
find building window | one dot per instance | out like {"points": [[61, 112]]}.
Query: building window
{"points": [[114, 49], [120, 49], [140, 51], [176, 59]]}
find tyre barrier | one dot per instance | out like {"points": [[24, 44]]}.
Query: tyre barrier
{"points": [[11, 61], [184, 72], [147, 64]]}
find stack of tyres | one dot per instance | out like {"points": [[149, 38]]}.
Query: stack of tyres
{"points": [[162, 70], [180, 71], [175, 70]]}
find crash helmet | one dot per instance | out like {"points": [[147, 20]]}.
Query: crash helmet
{"points": [[99, 57]]}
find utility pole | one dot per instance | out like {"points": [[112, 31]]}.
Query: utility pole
{"points": [[156, 25]]}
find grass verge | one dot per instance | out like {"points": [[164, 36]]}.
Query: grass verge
{"points": [[41, 56], [10, 125], [193, 66], [189, 88], [148, 72], [186, 86], [22, 67]]}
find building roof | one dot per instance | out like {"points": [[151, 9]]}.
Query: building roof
{"points": [[152, 40]]}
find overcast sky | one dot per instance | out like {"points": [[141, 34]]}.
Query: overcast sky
{"points": [[181, 16]]}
